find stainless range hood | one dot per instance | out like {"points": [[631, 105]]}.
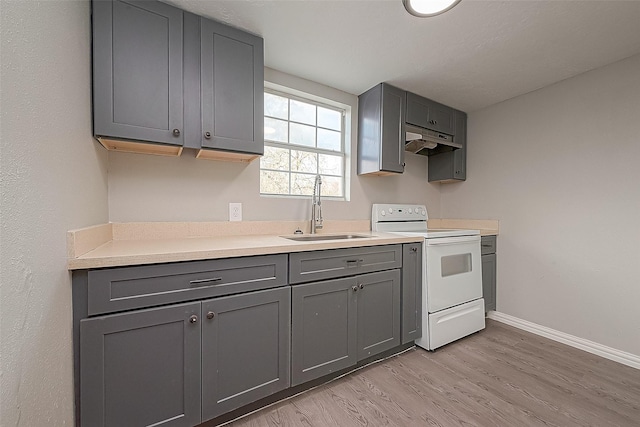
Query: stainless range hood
{"points": [[428, 142]]}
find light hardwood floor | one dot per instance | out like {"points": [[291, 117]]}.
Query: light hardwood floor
{"points": [[500, 376]]}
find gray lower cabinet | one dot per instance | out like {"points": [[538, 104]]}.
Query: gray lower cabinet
{"points": [[489, 268], [245, 349], [141, 368], [381, 130], [411, 292], [137, 71], [451, 166], [338, 322], [232, 89]]}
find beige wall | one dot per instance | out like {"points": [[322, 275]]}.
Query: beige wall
{"points": [[151, 188], [559, 167], [53, 178]]}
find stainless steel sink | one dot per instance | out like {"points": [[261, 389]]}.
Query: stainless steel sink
{"points": [[320, 237]]}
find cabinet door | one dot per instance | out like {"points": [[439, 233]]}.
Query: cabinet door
{"points": [[393, 133], [411, 292], [245, 349], [141, 368], [381, 130], [429, 114], [137, 71], [232, 88], [451, 166], [378, 312], [489, 281], [323, 334]]}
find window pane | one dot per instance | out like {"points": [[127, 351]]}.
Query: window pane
{"points": [[302, 184], [303, 161], [303, 135], [274, 182], [329, 140], [275, 158], [276, 106], [275, 130], [332, 186], [331, 165], [303, 112], [329, 119]]}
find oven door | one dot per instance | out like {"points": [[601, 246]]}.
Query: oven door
{"points": [[454, 274]]}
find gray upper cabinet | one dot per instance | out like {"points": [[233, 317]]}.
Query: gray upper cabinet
{"points": [[411, 292], [429, 114], [232, 89], [245, 349], [137, 72], [141, 368], [381, 130], [451, 166]]}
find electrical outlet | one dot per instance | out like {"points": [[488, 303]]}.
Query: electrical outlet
{"points": [[235, 211]]}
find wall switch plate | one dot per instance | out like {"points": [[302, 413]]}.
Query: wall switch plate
{"points": [[235, 211]]}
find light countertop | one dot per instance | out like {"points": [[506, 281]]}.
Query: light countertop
{"points": [[122, 244]]}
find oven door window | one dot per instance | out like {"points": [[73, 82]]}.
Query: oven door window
{"points": [[455, 264]]}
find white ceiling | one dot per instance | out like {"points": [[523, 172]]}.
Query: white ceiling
{"points": [[477, 54]]}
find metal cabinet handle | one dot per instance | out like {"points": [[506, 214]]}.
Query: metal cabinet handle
{"points": [[361, 286], [199, 281], [355, 288], [349, 261], [211, 315], [486, 246], [176, 132], [193, 319], [414, 249], [207, 135]]}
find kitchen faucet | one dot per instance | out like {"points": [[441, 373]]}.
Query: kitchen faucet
{"points": [[316, 206]]}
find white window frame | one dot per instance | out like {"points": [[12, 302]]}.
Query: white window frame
{"points": [[344, 141]]}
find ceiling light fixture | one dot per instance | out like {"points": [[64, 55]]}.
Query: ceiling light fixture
{"points": [[424, 8]]}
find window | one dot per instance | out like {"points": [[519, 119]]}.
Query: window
{"points": [[302, 138]]}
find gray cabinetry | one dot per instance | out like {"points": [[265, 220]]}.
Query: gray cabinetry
{"points": [[429, 114], [355, 315], [137, 72], [321, 265], [323, 334], [180, 364], [378, 325], [232, 89], [489, 266], [381, 130], [245, 349], [141, 368], [451, 166], [411, 292]]}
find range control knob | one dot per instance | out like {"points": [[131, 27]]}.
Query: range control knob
{"points": [[390, 210], [410, 210], [424, 212], [383, 213]]}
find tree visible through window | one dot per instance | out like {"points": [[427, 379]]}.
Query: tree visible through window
{"points": [[303, 138]]}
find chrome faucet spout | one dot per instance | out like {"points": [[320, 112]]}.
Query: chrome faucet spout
{"points": [[316, 205]]}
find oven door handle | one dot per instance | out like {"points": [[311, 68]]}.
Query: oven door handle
{"points": [[452, 240]]}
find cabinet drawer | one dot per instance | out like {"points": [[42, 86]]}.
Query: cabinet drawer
{"points": [[328, 264], [125, 288], [488, 245]]}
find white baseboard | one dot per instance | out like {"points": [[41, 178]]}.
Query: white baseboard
{"points": [[571, 340]]}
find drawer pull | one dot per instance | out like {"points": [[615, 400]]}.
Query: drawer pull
{"points": [[487, 246], [200, 281], [351, 261]]}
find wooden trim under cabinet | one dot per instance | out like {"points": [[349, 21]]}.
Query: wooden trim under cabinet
{"points": [[126, 146], [227, 156]]}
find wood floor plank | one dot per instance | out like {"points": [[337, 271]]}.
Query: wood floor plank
{"points": [[501, 376]]}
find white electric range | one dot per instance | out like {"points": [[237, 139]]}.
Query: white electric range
{"points": [[452, 305]]}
